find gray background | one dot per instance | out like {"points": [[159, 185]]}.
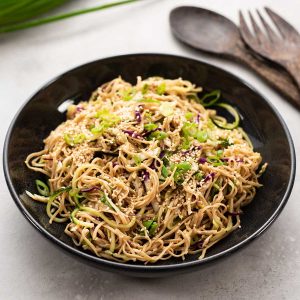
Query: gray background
{"points": [[32, 268]]}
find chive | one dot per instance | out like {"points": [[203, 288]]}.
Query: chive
{"points": [[164, 172], [210, 98], [42, 188], [150, 126], [161, 89]]}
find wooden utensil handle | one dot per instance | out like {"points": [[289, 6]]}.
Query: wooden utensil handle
{"points": [[277, 78], [294, 69]]}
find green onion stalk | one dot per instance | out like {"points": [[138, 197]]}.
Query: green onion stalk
{"points": [[16, 14]]}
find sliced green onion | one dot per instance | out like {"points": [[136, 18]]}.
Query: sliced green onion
{"points": [[219, 153], [215, 161], [191, 130], [73, 140], [158, 135], [184, 166], [107, 117], [148, 223], [128, 94], [150, 126], [225, 143], [137, 160], [98, 130], [151, 226], [145, 88], [189, 115], [223, 123], [181, 168], [161, 89], [164, 172], [201, 136], [42, 188], [198, 176], [148, 100], [166, 109]]}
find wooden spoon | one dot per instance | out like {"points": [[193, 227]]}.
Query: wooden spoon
{"points": [[213, 33]]}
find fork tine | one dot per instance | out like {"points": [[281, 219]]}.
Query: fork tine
{"points": [[271, 34], [256, 28], [244, 29], [285, 28]]}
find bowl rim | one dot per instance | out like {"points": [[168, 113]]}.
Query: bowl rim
{"points": [[148, 268]]}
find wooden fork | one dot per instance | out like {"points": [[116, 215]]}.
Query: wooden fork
{"points": [[284, 49]]}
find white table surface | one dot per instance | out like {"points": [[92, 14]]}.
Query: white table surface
{"points": [[31, 267]]}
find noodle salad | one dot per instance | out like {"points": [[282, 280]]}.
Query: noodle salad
{"points": [[147, 172]]}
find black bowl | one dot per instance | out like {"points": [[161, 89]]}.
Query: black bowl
{"points": [[43, 112]]}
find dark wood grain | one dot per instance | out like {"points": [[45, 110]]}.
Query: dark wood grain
{"points": [[283, 49], [213, 33]]}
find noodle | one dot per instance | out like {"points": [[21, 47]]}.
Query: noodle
{"points": [[147, 172]]}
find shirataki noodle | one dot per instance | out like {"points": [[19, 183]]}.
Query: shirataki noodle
{"points": [[147, 172]]}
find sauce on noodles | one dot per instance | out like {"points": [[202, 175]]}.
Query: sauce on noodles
{"points": [[147, 172]]}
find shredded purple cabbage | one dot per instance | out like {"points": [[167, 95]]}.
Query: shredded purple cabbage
{"points": [[132, 133], [198, 119], [235, 213], [138, 115], [162, 154], [239, 160], [209, 176], [152, 166], [90, 189], [202, 160], [225, 159], [79, 108], [145, 175]]}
